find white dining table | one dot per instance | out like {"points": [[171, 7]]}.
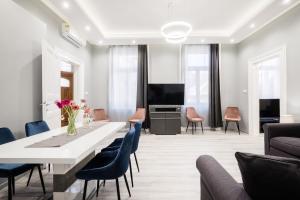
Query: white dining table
{"points": [[66, 159]]}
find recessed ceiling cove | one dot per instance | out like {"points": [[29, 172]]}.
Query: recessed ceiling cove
{"points": [[121, 21]]}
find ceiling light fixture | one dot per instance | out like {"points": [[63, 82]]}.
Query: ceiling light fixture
{"points": [[176, 32], [133, 42], [100, 42], [203, 40], [232, 40], [65, 5], [87, 28], [286, 2], [252, 26]]}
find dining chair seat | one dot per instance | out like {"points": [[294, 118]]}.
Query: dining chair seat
{"points": [[193, 118], [7, 170], [232, 114], [118, 141], [10, 171], [197, 119], [109, 165]]}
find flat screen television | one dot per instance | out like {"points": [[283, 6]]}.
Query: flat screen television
{"points": [[166, 94], [269, 107]]}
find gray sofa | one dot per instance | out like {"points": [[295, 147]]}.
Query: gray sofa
{"points": [[216, 182], [282, 140]]}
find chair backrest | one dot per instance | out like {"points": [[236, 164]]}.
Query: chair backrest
{"points": [[191, 113], [232, 113], [140, 114], [6, 136], [99, 114], [122, 160], [33, 128], [136, 139]]}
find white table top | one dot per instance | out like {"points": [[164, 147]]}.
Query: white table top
{"points": [[70, 153]]}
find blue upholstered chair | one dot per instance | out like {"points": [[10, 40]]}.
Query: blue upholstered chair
{"points": [[109, 165], [34, 128], [117, 143], [10, 171]]}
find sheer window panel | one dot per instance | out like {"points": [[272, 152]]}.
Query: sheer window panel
{"points": [[122, 82], [196, 77]]}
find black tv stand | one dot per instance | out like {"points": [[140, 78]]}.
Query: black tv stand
{"points": [[165, 119]]}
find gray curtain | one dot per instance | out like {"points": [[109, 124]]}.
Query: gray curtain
{"points": [[142, 82], [215, 113]]}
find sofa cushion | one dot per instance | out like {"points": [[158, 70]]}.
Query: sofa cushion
{"points": [[270, 177], [289, 145]]}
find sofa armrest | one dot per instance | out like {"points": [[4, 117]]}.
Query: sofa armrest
{"points": [[279, 130], [218, 181]]}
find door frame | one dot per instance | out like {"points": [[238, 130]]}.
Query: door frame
{"points": [[78, 67], [253, 103]]}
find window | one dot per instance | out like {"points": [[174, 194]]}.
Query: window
{"points": [[65, 66], [196, 62], [269, 78], [122, 82], [64, 82]]}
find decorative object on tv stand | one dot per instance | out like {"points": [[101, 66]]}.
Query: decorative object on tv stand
{"points": [[72, 110]]}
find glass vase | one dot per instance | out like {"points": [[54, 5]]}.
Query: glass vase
{"points": [[71, 130]]}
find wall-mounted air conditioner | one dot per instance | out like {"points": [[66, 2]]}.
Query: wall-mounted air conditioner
{"points": [[72, 36]]}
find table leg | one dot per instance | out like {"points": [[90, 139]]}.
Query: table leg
{"points": [[64, 177]]}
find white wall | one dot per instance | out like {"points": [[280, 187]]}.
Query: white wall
{"points": [[283, 31], [23, 26], [53, 35], [164, 63], [99, 77], [228, 78]]}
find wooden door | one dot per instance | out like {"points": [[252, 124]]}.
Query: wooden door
{"points": [[67, 92]]}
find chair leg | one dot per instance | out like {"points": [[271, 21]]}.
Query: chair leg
{"points": [[238, 126], [9, 189], [187, 126], [202, 127], [103, 183], [118, 189], [136, 161], [13, 185], [192, 128], [226, 126], [41, 178], [49, 167], [28, 181], [84, 189], [125, 178], [130, 169], [97, 192]]}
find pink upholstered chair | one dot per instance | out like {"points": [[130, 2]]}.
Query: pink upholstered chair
{"points": [[100, 115], [232, 114], [139, 116], [194, 118]]}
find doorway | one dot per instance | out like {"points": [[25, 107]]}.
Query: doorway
{"points": [[266, 80], [67, 92]]}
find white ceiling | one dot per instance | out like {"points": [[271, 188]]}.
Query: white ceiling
{"points": [[121, 21]]}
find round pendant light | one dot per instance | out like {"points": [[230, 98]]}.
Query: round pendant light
{"points": [[176, 32]]}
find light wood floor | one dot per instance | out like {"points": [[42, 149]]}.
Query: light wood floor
{"points": [[168, 167]]}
